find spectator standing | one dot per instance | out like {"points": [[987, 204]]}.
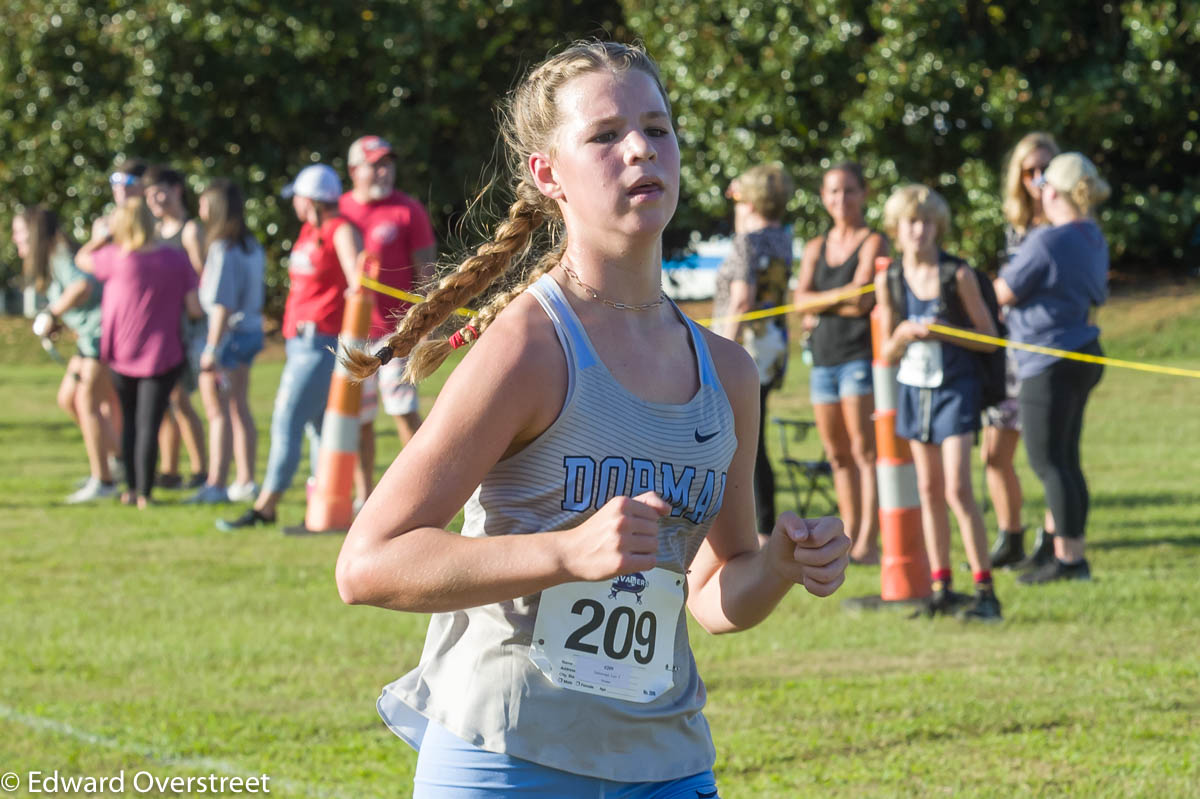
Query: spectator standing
{"points": [[841, 385], [165, 189], [755, 277], [323, 264], [1057, 277], [395, 227], [231, 292], [73, 300], [1002, 424], [148, 288], [937, 405]]}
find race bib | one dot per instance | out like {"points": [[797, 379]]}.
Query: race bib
{"points": [[921, 366], [610, 638]]}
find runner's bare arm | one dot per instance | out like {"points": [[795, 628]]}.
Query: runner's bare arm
{"points": [[733, 582], [347, 241]]}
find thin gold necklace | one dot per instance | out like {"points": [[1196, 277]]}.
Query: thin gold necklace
{"points": [[620, 306]]}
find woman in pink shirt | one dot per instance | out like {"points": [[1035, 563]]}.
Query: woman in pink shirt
{"points": [[148, 286]]}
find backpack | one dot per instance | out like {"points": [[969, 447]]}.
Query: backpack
{"points": [[992, 366]]}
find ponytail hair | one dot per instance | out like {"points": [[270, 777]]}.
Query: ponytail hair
{"points": [[529, 241]]}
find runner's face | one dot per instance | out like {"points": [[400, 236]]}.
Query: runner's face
{"points": [[20, 235], [615, 163]]}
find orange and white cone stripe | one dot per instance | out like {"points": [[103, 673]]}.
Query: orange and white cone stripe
{"points": [[904, 571], [331, 504]]}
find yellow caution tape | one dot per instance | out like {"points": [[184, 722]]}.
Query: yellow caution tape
{"points": [[400, 294], [857, 291], [779, 310], [971, 335]]}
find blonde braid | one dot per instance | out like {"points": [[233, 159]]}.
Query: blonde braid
{"points": [[511, 239]]}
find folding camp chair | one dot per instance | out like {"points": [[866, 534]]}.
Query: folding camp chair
{"points": [[807, 478]]}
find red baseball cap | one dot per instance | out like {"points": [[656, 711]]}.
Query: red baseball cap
{"points": [[368, 150]]}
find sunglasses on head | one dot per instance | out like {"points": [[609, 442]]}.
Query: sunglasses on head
{"points": [[122, 179], [1036, 169]]}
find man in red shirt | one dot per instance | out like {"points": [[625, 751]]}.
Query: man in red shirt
{"points": [[396, 228]]}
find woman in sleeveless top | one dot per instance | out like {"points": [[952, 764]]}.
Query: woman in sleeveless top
{"points": [[840, 336], [603, 447], [755, 277], [323, 264], [937, 404], [1002, 424]]}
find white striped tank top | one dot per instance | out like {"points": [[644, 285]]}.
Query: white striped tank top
{"points": [[476, 677]]}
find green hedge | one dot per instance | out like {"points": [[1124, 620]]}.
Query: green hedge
{"points": [[926, 90], [937, 91]]}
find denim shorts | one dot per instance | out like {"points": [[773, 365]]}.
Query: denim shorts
{"points": [[239, 348], [827, 385]]}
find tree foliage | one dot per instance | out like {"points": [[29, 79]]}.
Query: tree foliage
{"points": [[937, 91], [934, 91], [256, 89]]}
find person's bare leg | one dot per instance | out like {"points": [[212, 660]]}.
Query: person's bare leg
{"points": [[406, 426], [191, 430], [998, 450], [1069, 550], [931, 487], [87, 406], [858, 412], [110, 414], [956, 466], [245, 433], [216, 408], [67, 388], [364, 469], [169, 442], [831, 427]]}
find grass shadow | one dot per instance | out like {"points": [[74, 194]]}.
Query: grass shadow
{"points": [[1147, 499], [1136, 543]]}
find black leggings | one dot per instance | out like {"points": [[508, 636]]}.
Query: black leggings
{"points": [[144, 402], [764, 478], [1052, 405]]}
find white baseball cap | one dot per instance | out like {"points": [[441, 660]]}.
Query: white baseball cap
{"points": [[317, 182]]}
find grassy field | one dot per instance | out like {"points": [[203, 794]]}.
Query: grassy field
{"points": [[149, 641]]}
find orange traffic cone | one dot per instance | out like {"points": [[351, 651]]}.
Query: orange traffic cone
{"points": [[904, 572]]}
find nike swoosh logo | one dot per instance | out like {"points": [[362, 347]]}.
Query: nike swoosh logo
{"points": [[700, 440], [705, 795]]}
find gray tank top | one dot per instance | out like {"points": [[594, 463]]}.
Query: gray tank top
{"points": [[476, 677]]}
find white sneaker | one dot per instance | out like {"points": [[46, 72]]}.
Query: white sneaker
{"points": [[92, 490], [242, 492], [208, 495]]}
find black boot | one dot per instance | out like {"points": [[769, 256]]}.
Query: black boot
{"points": [[1009, 549], [1043, 551]]}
